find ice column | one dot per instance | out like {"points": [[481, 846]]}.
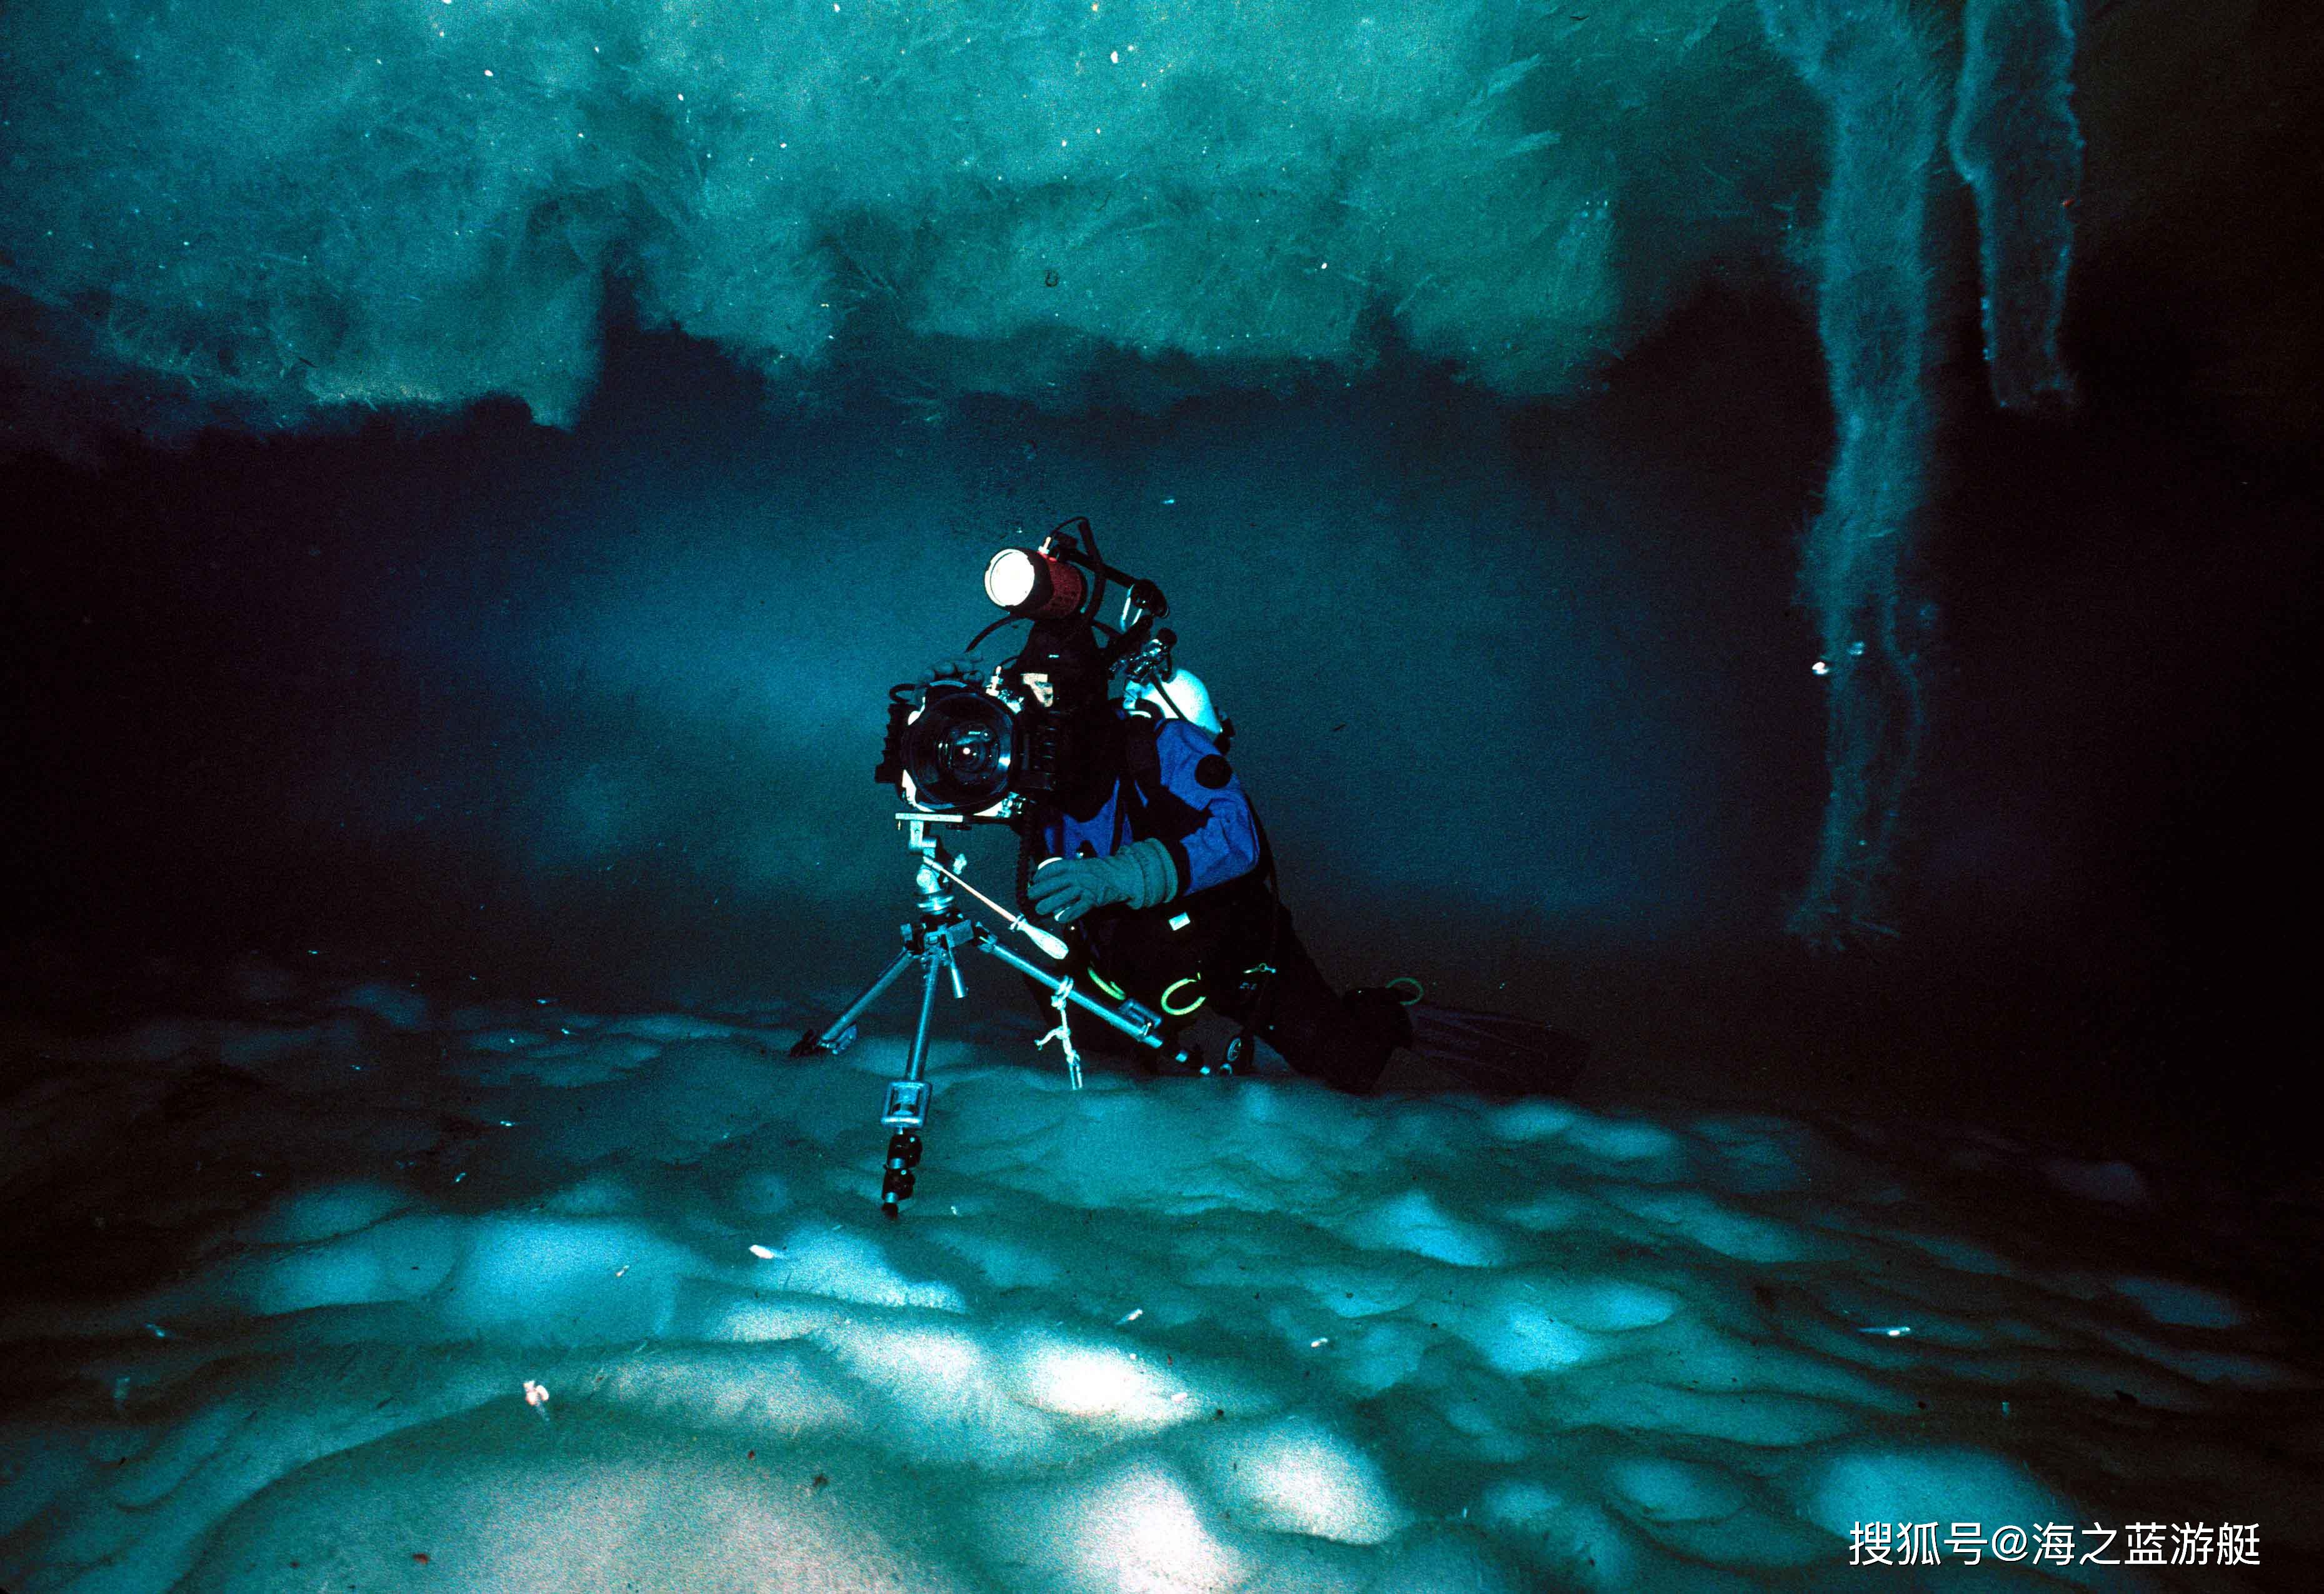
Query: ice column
{"points": [[2016, 143], [1876, 70]]}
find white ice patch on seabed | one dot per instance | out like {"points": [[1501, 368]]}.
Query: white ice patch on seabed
{"points": [[1413, 1222], [850, 1267], [602, 1302], [1298, 1477]]}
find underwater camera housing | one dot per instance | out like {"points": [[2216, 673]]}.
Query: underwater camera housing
{"points": [[983, 750], [988, 749]]}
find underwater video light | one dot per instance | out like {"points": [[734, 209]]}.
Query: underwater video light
{"points": [[990, 748], [1035, 585]]}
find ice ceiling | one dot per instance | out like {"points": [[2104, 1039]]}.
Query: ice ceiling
{"points": [[265, 214], [290, 208]]}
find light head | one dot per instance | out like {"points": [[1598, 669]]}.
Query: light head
{"points": [[1041, 720], [1035, 584]]}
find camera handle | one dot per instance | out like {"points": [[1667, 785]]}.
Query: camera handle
{"points": [[933, 940]]}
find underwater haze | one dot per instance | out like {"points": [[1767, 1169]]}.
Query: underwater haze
{"points": [[1776, 537]]}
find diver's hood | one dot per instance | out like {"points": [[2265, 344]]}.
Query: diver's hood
{"points": [[1183, 696]]}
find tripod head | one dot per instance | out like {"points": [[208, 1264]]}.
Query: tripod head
{"points": [[925, 836], [938, 865]]}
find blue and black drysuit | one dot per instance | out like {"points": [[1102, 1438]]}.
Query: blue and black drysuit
{"points": [[1170, 890]]}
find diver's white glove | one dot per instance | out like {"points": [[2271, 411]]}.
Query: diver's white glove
{"points": [[1140, 875]]}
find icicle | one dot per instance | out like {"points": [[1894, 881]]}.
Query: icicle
{"points": [[1875, 67], [2015, 142]]}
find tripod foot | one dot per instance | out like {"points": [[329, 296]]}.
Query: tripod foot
{"points": [[822, 1042], [903, 1157]]}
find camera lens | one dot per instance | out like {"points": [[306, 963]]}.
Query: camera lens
{"points": [[960, 751], [968, 753]]}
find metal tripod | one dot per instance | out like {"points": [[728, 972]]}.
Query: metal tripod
{"points": [[933, 940]]}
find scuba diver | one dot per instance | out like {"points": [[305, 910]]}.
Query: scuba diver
{"points": [[1148, 849], [1136, 839]]}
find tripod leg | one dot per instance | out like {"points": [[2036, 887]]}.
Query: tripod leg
{"points": [[908, 1098], [833, 1037], [938, 959], [1139, 1025]]}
